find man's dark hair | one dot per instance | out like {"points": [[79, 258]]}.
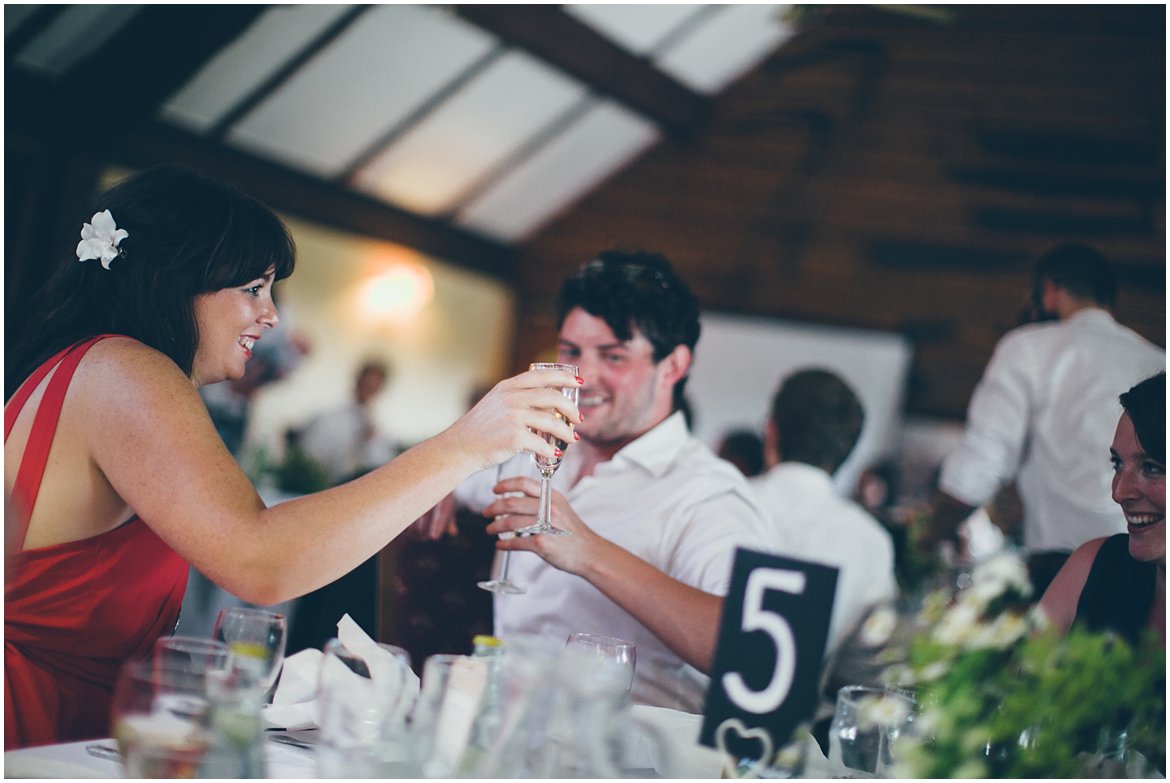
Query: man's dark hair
{"points": [[1079, 269], [631, 289], [818, 419], [1146, 405]]}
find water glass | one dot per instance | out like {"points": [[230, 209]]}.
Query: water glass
{"points": [[256, 637], [449, 699], [607, 658], [362, 705], [867, 722], [159, 719]]}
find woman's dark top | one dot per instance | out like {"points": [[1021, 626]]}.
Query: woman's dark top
{"points": [[1119, 591]]}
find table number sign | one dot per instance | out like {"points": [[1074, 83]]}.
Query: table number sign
{"points": [[767, 666]]}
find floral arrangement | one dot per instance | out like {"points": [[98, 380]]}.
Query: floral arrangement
{"points": [[1002, 695]]}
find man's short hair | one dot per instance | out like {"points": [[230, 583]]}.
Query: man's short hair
{"points": [[633, 289], [818, 419], [1079, 269]]}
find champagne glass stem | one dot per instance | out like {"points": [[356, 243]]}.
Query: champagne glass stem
{"points": [[543, 518]]}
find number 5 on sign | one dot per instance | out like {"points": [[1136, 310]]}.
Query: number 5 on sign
{"points": [[771, 644]]}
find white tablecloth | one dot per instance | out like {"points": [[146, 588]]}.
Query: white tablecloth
{"points": [[70, 760]]}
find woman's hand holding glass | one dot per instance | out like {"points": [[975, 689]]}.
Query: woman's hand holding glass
{"points": [[519, 414]]}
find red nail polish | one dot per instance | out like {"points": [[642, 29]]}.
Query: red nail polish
{"points": [[558, 453], [581, 415], [580, 381], [576, 436]]}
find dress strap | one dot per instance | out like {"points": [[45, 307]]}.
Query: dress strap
{"points": [[40, 438]]}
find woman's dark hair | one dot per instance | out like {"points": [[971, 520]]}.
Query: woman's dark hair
{"points": [[636, 290], [188, 235], [1146, 405]]}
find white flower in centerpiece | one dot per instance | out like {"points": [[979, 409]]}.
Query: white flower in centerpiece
{"points": [[878, 626], [1000, 572], [884, 710], [100, 239], [935, 670], [956, 624]]}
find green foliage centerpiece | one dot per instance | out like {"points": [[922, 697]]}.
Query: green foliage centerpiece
{"points": [[1001, 694]]}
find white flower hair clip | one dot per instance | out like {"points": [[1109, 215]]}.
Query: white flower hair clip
{"points": [[100, 239]]}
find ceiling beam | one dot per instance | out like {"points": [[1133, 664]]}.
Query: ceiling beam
{"points": [[125, 82], [314, 199], [577, 49]]}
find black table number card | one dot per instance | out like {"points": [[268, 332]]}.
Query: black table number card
{"points": [[767, 667]]}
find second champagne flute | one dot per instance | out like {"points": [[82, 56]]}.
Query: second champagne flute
{"points": [[502, 584], [547, 466]]}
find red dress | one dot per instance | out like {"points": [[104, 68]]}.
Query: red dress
{"points": [[74, 611]]}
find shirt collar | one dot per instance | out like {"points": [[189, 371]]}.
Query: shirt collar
{"points": [[657, 448], [800, 474], [1091, 314]]}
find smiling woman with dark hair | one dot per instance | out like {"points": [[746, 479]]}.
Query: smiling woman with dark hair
{"points": [[115, 478], [1119, 583]]}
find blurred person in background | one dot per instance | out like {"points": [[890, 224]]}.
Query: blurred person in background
{"points": [[1044, 409]]}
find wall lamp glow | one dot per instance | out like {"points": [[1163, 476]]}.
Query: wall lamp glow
{"points": [[397, 293]]}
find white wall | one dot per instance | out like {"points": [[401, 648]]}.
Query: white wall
{"points": [[740, 361], [456, 343]]}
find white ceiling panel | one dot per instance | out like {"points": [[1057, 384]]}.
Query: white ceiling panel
{"points": [[436, 162], [275, 38], [636, 27], [601, 142], [732, 42], [363, 85], [76, 33]]}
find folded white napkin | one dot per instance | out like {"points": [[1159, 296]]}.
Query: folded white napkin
{"points": [[294, 704], [667, 741]]}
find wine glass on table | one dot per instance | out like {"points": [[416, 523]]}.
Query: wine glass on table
{"points": [[548, 466], [501, 583], [612, 659], [256, 639]]}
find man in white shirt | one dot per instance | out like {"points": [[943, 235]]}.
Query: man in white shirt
{"points": [[654, 515], [814, 422], [1044, 413], [347, 441]]}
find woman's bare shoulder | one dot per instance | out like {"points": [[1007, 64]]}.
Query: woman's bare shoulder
{"points": [[121, 371]]}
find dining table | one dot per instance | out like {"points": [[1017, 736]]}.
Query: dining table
{"points": [[287, 756]]}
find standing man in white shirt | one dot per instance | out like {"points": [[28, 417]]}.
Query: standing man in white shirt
{"points": [[654, 515], [1043, 414]]}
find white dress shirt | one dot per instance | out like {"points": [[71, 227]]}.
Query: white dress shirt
{"points": [[810, 521], [346, 441], [1044, 414], [667, 499]]}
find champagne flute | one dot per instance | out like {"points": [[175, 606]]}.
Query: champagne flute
{"points": [[502, 584], [256, 638], [546, 465]]}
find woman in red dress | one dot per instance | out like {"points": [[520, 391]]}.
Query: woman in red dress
{"points": [[115, 478]]}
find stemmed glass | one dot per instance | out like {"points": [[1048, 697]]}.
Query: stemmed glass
{"points": [[256, 639], [548, 466], [502, 584]]}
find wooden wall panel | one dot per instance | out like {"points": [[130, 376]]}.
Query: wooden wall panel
{"points": [[891, 173]]}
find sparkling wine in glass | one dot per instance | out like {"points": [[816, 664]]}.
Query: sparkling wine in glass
{"points": [[548, 466], [502, 584]]}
